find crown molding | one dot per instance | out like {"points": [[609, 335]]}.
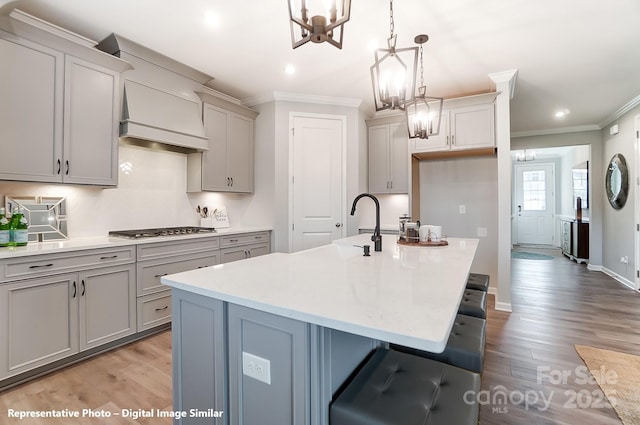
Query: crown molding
{"points": [[620, 112], [509, 76], [302, 98], [545, 132]]}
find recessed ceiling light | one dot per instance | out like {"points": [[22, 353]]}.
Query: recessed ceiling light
{"points": [[290, 69], [563, 113], [211, 19]]}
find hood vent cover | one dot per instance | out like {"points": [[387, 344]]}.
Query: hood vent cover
{"points": [[159, 101], [158, 116]]}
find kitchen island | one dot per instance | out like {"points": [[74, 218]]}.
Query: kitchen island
{"points": [[269, 340]]}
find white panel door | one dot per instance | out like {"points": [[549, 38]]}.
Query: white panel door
{"points": [[318, 205], [535, 203]]}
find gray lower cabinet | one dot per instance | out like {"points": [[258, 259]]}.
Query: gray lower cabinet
{"points": [[163, 258], [50, 318]]}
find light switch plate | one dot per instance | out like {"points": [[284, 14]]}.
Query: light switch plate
{"points": [[256, 367], [462, 209], [482, 232]]}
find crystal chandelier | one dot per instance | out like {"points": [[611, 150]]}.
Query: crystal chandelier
{"points": [[393, 75], [318, 21], [424, 112]]}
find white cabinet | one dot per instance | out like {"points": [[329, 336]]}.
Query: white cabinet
{"points": [[388, 158], [227, 165], [468, 123], [48, 318], [58, 115]]}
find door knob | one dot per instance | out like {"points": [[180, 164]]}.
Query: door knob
{"points": [[338, 224]]}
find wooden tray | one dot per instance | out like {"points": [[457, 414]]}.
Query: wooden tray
{"points": [[427, 243]]}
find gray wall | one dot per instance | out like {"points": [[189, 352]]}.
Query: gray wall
{"points": [[618, 225], [473, 182]]}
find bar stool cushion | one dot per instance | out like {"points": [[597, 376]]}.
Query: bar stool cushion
{"points": [[395, 388], [465, 346], [479, 282], [474, 303]]}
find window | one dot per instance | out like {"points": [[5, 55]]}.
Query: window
{"points": [[533, 190]]}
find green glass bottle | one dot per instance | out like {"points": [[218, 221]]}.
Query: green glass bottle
{"points": [[18, 231], [4, 228]]}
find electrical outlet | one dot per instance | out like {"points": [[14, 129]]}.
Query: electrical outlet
{"points": [[462, 209], [256, 367], [482, 232], [624, 259]]}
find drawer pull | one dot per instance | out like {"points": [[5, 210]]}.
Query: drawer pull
{"points": [[258, 237], [109, 257], [233, 240], [41, 266], [160, 275], [163, 308]]}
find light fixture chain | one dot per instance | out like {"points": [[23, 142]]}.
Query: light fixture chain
{"points": [[391, 23], [421, 67]]}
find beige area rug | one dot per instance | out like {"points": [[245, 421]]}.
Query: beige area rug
{"points": [[618, 375]]}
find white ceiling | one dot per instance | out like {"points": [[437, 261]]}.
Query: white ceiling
{"points": [[580, 55]]}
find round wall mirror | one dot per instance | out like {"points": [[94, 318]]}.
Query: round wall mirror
{"points": [[617, 181]]}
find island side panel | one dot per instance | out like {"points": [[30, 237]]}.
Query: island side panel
{"points": [[335, 356], [199, 365], [284, 343]]}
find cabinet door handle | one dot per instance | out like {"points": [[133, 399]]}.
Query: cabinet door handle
{"points": [[160, 275], [453, 139], [162, 308], [391, 184], [83, 288], [231, 181], [74, 289], [41, 266], [447, 140], [249, 253], [228, 181], [67, 164], [109, 257], [59, 166]]}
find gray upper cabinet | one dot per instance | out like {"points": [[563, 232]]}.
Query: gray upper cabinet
{"points": [[59, 112], [388, 158], [90, 146], [227, 165], [31, 86]]}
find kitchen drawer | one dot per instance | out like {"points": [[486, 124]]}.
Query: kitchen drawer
{"points": [[150, 272], [228, 255], [243, 239], [45, 265], [176, 248], [154, 310]]}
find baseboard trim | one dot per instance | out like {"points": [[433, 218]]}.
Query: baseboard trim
{"points": [[500, 306], [626, 282], [594, 268], [493, 291]]}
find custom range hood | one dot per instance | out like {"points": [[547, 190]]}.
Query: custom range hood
{"points": [[159, 102]]}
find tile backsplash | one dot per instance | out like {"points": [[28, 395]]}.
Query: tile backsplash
{"points": [[151, 192]]}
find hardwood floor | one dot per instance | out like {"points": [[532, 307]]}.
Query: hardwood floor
{"points": [[136, 376], [556, 304]]}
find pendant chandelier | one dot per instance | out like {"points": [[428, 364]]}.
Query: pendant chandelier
{"points": [[424, 112], [318, 21], [393, 75], [524, 157]]}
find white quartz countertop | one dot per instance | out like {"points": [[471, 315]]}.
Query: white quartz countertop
{"points": [[76, 244], [405, 294]]}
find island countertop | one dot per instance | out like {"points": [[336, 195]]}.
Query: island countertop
{"points": [[406, 295]]}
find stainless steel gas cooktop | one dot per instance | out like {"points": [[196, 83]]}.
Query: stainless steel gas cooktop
{"points": [[165, 231]]}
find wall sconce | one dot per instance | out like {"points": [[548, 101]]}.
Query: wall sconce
{"points": [[318, 21]]}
